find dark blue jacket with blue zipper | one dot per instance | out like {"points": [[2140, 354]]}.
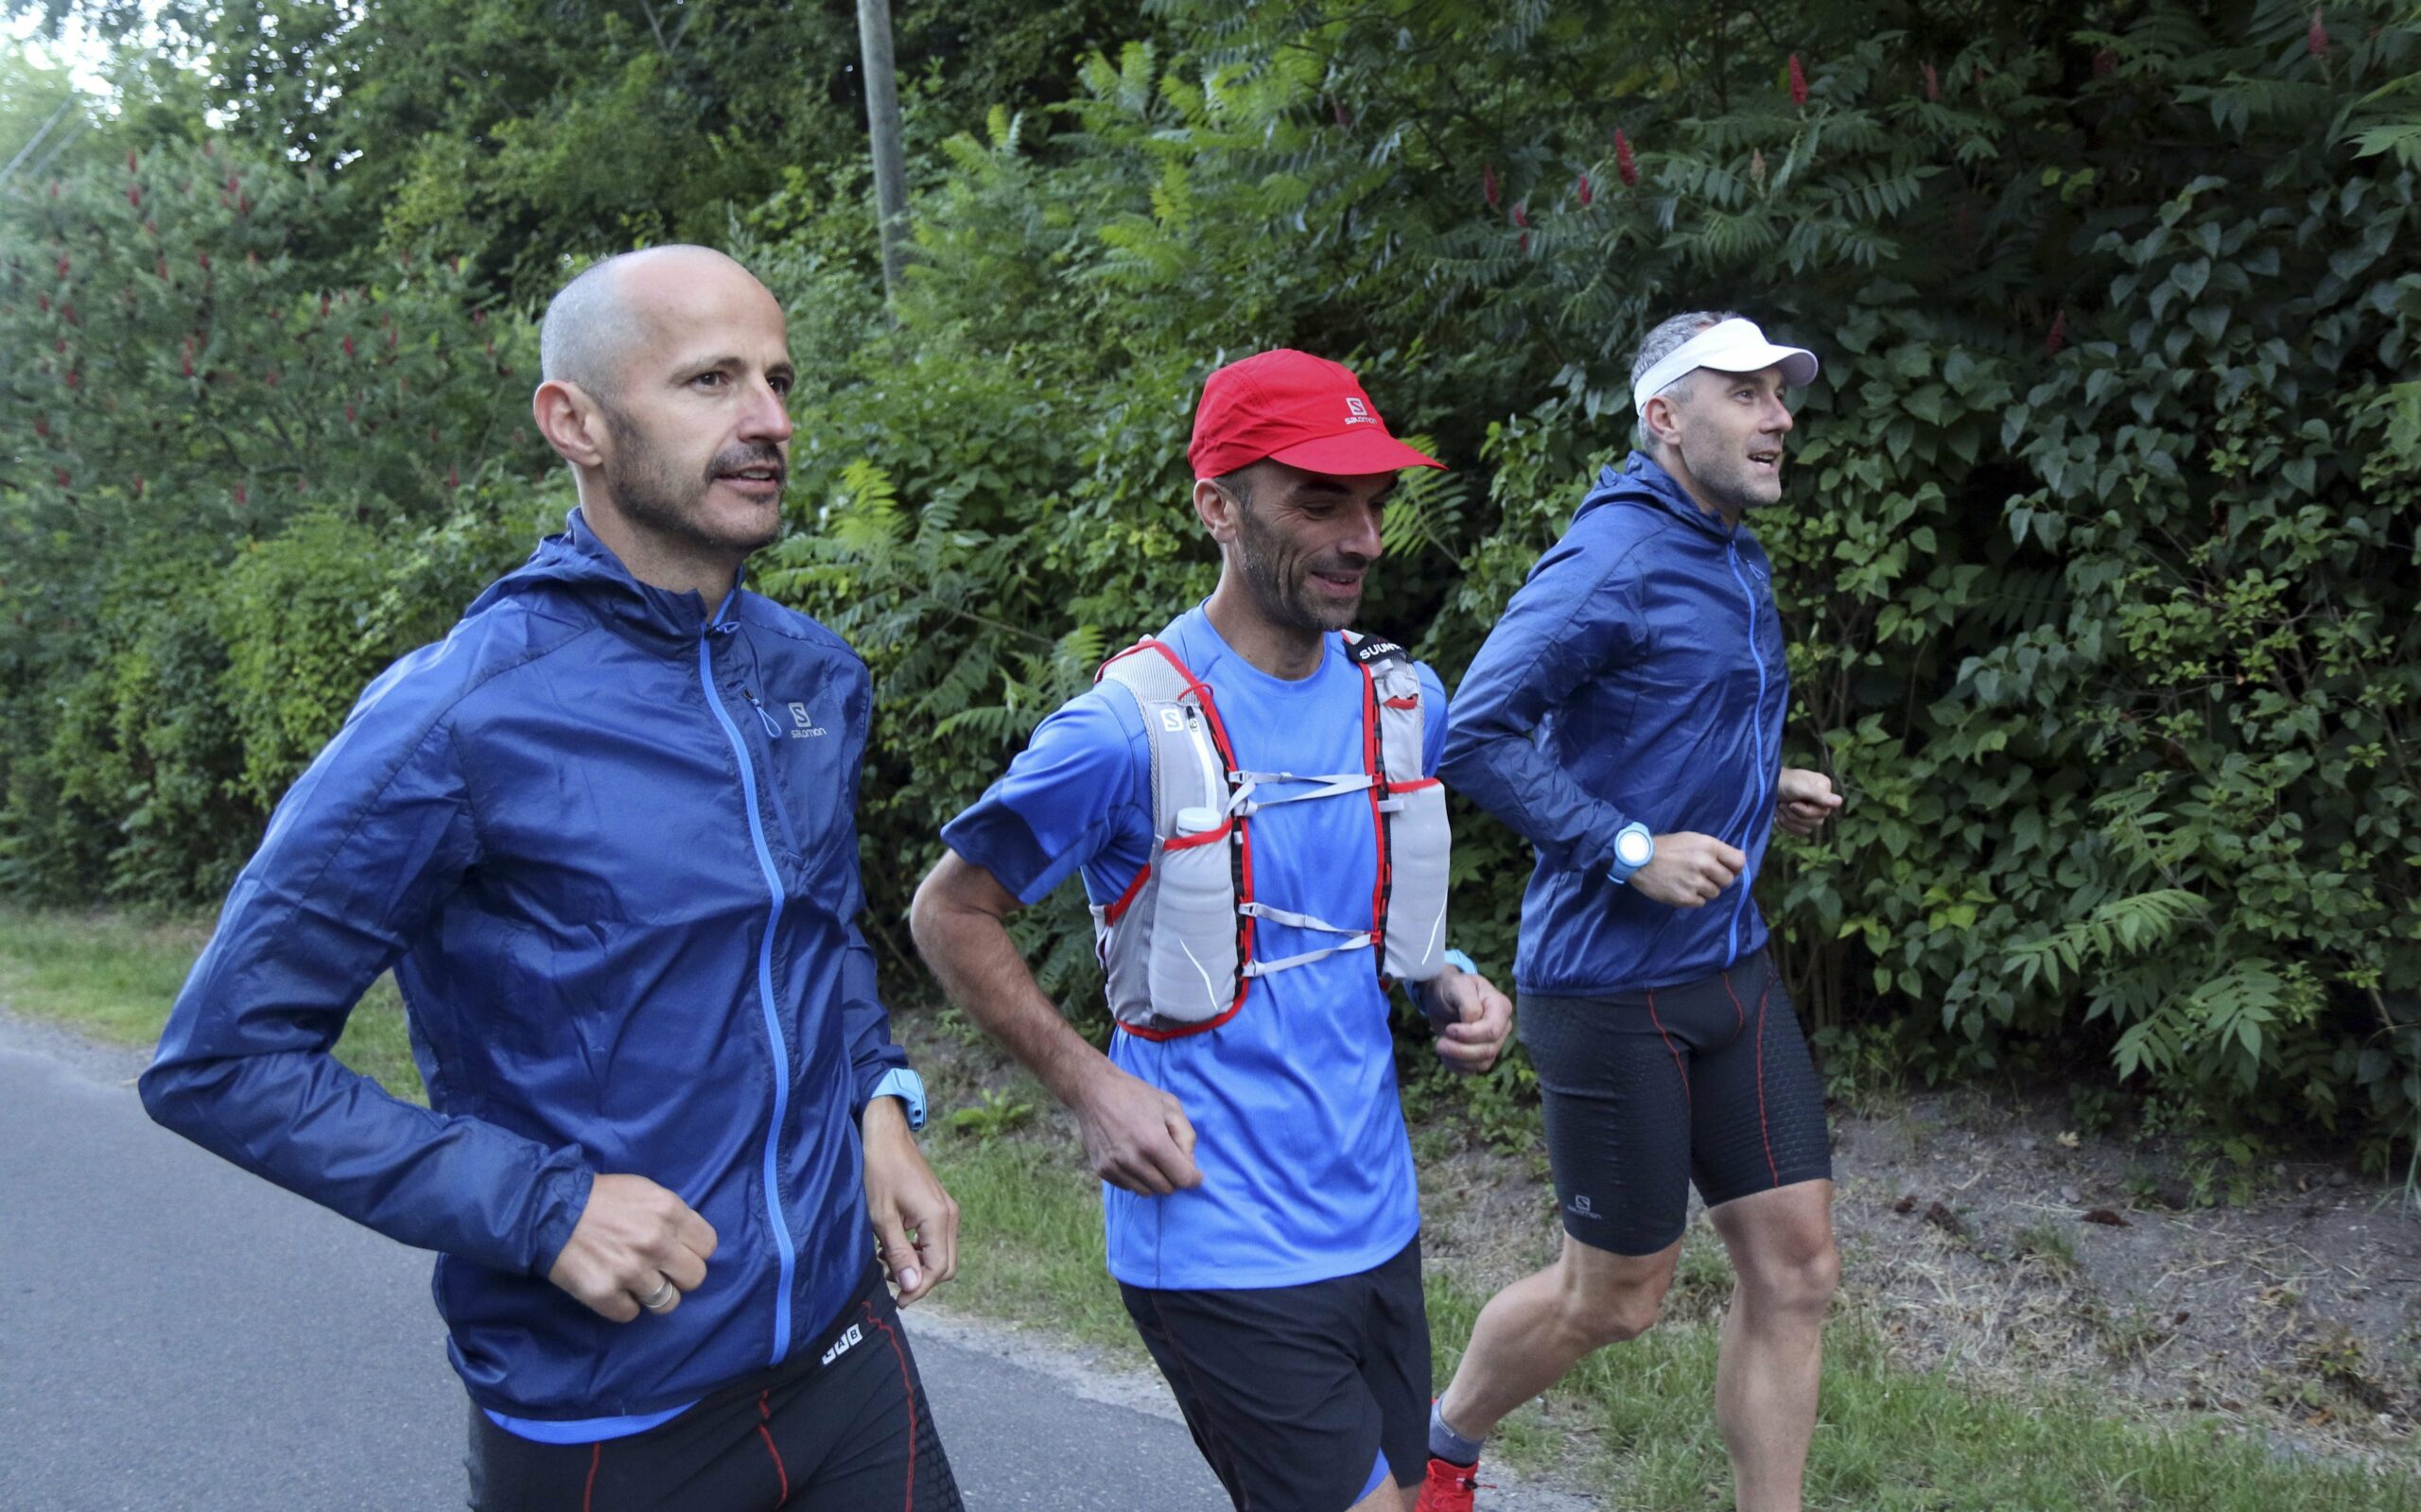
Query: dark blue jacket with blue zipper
{"points": [[1636, 676], [608, 847]]}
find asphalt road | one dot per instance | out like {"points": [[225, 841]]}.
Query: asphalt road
{"points": [[178, 1336]]}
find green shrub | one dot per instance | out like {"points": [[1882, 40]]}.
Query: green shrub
{"points": [[2099, 558], [239, 480], [2103, 506]]}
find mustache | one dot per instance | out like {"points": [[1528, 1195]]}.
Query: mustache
{"points": [[741, 458]]}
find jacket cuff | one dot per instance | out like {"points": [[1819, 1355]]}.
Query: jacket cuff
{"points": [[564, 1198], [908, 1088]]}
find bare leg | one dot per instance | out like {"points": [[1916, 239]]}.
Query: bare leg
{"points": [[1536, 1328], [1389, 1497], [1773, 1337]]}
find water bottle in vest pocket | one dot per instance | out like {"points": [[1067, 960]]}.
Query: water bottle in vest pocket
{"points": [[1193, 906], [1416, 858]]}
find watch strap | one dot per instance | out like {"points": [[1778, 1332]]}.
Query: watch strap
{"points": [[909, 1088]]}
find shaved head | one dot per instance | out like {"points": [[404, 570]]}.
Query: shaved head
{"points": [[667, 382], [594, 324]]}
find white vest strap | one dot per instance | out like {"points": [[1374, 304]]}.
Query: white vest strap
{"points": [[1336, 787], [1178, 946]]}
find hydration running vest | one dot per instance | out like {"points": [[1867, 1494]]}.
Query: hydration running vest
{"points": [[1177, 944]]}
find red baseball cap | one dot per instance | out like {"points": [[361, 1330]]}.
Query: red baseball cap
{"points": [[1293, 408]]}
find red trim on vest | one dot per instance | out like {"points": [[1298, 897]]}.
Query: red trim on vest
{"points": [[1127, 899], [1201, 690], [1374, 765]]}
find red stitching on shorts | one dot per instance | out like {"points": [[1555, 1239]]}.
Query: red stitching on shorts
{"points": [[1764, 1129], [908, 1383], [1678, 1069], [589, 1490], [764, 1415]]}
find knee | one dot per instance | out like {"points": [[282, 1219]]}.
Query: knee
{"points": [[1802, 1284], [1609, 1312]]}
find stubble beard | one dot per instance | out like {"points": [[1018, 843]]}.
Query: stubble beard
{"points": [[1731, 489], [1266, 565], [1735, 493], [654, 496]]}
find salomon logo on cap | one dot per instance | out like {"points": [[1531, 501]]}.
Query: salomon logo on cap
{"points": [[1293, 408]]}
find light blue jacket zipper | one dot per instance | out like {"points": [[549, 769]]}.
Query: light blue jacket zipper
{"points": [[1756, 732], [764, 980]]}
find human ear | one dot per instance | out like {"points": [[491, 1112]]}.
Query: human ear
{"points": [[570, 420], [1663, 419], [1218, 509]]}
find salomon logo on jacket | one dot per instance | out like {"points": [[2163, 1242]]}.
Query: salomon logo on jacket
{"points": [[619, 899]]}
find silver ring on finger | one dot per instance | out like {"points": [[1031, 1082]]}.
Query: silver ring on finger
{"points": [[662, 1297]]}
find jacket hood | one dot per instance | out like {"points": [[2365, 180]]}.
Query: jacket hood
{"points": [[577, 566], [1642, 481]]}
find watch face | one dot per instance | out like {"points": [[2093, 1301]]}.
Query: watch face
{"points": [[1633, 847]]}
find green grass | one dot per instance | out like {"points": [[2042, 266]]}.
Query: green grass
{"points": [[1030, 1240], [114, 977], [1890, 1440]]}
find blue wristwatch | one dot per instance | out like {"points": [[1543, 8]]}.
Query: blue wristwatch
{"points": [[1634, 847], [909, 1088]]}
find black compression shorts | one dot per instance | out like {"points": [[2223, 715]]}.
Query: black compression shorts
{"points": [[841, 1426], [1708, 1082], [1303, 1398]]}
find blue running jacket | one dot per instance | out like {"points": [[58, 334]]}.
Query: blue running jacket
{"points": [[1636, 676], [608, 847]]}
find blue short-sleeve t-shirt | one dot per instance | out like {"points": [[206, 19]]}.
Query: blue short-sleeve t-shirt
{"points": [[1306, 1171]]}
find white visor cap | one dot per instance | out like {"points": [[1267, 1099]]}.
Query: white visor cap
{"points": [[1727, 346]]}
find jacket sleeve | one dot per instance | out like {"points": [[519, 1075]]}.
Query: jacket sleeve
{"points": [[355, 861], [1577, 617], [865, 1024]]}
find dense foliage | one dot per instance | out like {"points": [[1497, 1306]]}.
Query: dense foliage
{"points": [[233, 490], [2099, 556]]}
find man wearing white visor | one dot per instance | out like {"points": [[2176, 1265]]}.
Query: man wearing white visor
{"points": [[1626, 716]]}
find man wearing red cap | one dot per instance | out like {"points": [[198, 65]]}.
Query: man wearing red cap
{"points": [[1251, 797]]}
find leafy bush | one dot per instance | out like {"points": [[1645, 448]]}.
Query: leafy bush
{"points": [[238, 482], [2104, 505], [2099, 560]]}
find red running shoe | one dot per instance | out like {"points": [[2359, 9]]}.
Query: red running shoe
{"points": [[1449, 1486]]}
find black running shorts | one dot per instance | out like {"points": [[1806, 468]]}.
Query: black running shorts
{"points": [[1303, 1398], [841, 1426], [1708, 1082]]}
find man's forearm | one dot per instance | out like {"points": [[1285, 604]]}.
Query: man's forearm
{"points": [[979, 968]]}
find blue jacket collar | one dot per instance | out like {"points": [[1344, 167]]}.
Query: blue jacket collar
{"points": [[578, 565], [1641, 479]]}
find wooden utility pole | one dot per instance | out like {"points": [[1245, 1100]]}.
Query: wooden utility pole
{"points": [[883, 125]]}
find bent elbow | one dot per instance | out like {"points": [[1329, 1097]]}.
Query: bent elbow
{"points": [[169, 1090], [1463, 762], [187, 1095], [924, 913]]}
